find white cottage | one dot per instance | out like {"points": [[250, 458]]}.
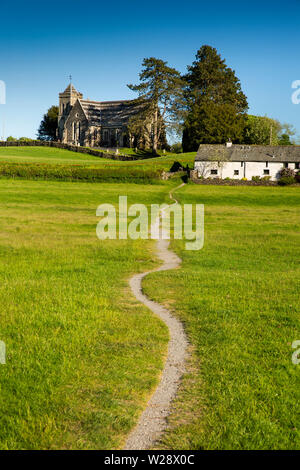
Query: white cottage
{"points": [[245, 161]]}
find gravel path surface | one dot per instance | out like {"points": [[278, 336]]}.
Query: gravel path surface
{"points": [[153, 420]]}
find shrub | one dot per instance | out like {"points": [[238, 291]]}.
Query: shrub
{"points": [[256, 179], [266, 178], [176, 148], [287, 172], [298, 177], [286, 180], [286, 176], [25, 139]]}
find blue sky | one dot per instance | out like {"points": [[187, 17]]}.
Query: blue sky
{"points": [[102, 44]]}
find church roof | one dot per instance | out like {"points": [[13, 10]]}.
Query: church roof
{"points": [[68, 89], [108, 113], [250, 153]]}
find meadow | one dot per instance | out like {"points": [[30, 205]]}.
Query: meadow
{"points": [[83, 355], [53, 156], [239, 300]]}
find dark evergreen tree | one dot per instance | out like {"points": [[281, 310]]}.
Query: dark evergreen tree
{"points": [[216, 105], [48, 126], [160, 91]]}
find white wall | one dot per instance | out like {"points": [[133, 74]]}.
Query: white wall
{"points": [[244, 169]]}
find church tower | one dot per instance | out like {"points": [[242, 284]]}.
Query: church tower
{"points": [[67, 99]]}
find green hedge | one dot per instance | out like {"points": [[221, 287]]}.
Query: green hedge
{"points": [[77, 173]]}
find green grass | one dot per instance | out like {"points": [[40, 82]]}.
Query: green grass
{"points": [[47, 155], [239, 300], [56, 156], [82, 353]]}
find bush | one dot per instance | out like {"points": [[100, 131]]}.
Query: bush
{"points": [[286, 176], [266, 178], [25, 139], [256, 179], [287, 172], [286, 180], [176, 148], [298, 177]]}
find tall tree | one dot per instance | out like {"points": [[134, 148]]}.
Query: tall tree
{"points": [[262, 130], [216, 104], [48, 126], [160, 91]]}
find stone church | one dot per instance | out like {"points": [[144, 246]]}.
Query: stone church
{"points": [[95, 123]]}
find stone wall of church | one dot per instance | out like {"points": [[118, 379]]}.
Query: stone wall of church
{"points": [[76, 127]]}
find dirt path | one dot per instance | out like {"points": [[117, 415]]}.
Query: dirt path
{"points": [[153, 421]]}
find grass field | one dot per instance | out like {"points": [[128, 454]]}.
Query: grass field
{"points": [[50, 155], [82, 354], [239, 300]]}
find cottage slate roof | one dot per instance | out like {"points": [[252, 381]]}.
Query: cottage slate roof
{"points": [[108, 113], [250, 153]]}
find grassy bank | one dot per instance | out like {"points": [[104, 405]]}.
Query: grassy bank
{"points": [[82, 353], [53, 156], [238, 298]]}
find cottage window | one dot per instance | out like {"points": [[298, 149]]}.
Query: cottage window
{"points": [[242, 163], [236, 172], [286, 165], [266, 172], [213, 172], [297, 166], [267, 164]]}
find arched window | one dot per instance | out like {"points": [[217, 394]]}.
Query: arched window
{"points": [[74, 130]]}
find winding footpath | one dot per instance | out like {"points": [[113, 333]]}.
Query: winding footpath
{"points": [[153, 420]]}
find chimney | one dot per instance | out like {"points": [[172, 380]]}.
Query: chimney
{"points": [[229, 143]]}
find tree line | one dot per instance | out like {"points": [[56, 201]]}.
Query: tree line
{"points": [[204, 105]]}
